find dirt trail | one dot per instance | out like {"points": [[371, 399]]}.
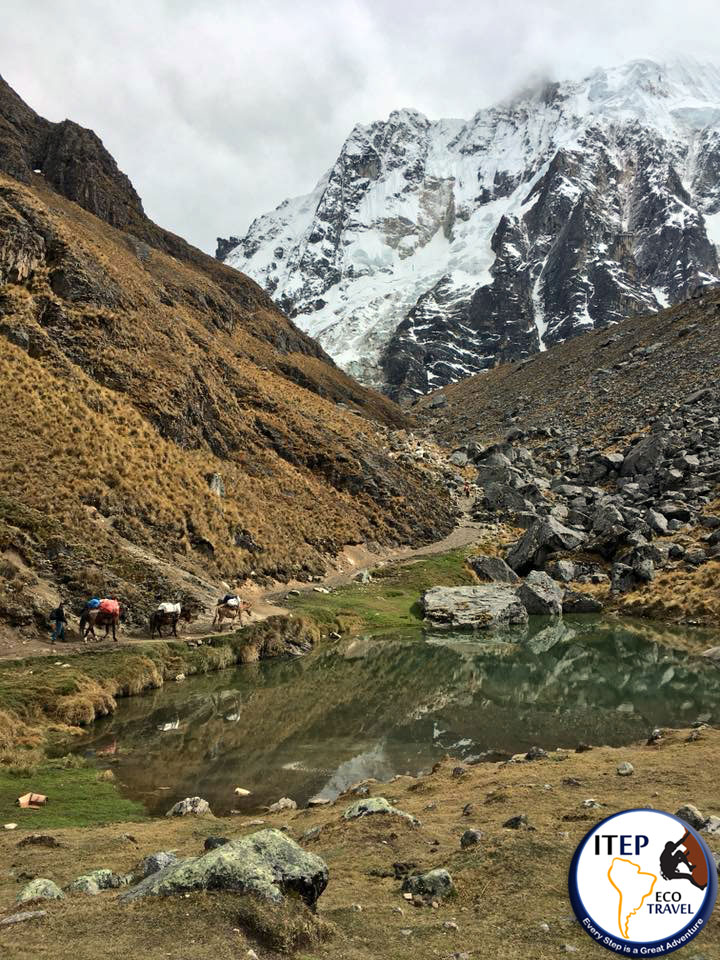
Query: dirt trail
{"points": [[266, 601]]}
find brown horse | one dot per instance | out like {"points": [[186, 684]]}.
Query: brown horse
{"points": [[89, 619], [163, 618], [224, 611]]}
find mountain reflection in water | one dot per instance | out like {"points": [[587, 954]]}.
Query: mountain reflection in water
{"points": [[377, 706]]}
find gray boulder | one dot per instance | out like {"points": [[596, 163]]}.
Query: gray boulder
{"points": [[371, 806], [645, 455], [690, 814], [40, 889], [433, 885], [153, 863], [492, 569], [470, 838], [95, 881], [267, 864], [574, 601], [544, 537], [502, 498], [657, 522], [564, 570], [190, 805], [481, 607], [623, 578], [539, 594]]}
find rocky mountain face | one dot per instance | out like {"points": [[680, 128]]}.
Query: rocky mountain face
{"points": [[606, 451], [164, 426], [433, 250]]}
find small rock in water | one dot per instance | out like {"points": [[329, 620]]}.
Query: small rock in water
{"points": [[625, 769]]}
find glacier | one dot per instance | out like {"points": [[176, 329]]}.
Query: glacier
{"points": [[432, 250]]}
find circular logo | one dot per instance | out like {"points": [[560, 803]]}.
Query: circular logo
{"points": [[643, 883]]}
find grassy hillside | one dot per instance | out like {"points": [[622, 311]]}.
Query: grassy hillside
{"points": [[128, 379]]}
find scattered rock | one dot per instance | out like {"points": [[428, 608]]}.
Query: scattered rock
{"points": [[40, 889], [690, 814], [492, 569], [376, 805], [38, 840], [470, 838], [625, 769], [267, 864], [154, 862], [22, 917], [190, 805], [212, 843], [284, 803], [519, 822], [544, 537], [95, 881], [435, 885]]}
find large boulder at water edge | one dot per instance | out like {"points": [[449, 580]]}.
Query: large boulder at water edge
{"points": [[267, 864], [477, 608], [541, 595]]}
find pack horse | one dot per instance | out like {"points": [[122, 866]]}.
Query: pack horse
{"points": [[169, 615], [100, 613]]}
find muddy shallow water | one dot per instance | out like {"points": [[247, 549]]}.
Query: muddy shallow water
{"points": [[377, 706]]}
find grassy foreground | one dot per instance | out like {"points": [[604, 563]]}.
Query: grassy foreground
{"points": [[511, 899]]}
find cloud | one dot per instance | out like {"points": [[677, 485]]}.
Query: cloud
{"points": [[219, 110]]}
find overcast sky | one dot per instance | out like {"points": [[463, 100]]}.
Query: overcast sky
{"points": [[220, 109]]}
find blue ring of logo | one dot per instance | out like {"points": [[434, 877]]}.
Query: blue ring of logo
{"points": [[702, 915]]}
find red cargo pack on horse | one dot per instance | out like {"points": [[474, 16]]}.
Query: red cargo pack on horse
{"points": [[110, 606]]}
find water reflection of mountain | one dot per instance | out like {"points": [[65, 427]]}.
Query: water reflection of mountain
{"points": [[378, 706]]}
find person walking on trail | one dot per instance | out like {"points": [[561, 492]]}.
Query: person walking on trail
{"points": [[59, 619]]}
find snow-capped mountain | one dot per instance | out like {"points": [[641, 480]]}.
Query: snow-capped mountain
{"points": [[431, 250]]}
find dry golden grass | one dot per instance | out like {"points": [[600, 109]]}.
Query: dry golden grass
{"points": [[156, 377]]}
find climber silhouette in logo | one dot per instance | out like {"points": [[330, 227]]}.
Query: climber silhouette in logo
{"points": [[685, 852]]}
